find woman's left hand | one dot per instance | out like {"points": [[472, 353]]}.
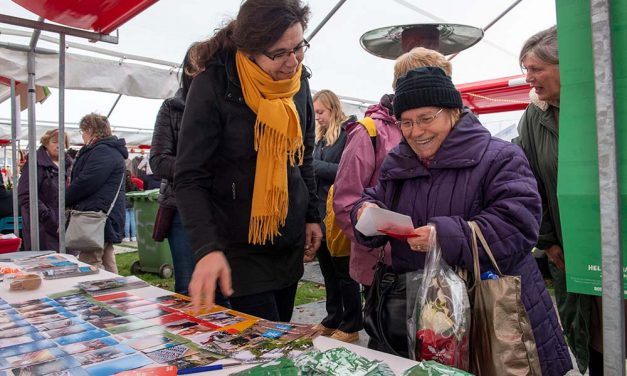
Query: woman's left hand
{"points": [[313, 239], [420, 243]]}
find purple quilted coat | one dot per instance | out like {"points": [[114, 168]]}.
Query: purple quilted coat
{"points": [[474, 177]]}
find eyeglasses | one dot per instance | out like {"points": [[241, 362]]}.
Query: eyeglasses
{"points": [[421, 122], [283, 54]]}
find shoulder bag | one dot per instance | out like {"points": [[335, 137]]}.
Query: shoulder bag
{"points": [[501, 335], [85, 231]]}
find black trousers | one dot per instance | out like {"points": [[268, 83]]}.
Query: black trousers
{"points": [[277, 305], [343, 296]]}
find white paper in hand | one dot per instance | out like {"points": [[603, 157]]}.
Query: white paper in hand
{"points": [[374, 219]]}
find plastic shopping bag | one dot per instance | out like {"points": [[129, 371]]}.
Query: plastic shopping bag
{"points": [[442, 313]]}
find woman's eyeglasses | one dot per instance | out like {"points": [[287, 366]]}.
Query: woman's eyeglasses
{"points": [[421, 122], [283, 54]]}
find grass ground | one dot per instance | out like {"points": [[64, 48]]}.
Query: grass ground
{"points": [[308, 292]]}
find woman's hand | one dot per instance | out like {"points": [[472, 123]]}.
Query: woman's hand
{"points": [[313, 239], [364, 206], [421, 242], [208, 271], [555, 254]]}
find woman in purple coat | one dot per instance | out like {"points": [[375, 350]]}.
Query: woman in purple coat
{"points": [[48, 192], [448, 170]]}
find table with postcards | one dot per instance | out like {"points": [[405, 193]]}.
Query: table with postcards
{"points": [[81, 321]]}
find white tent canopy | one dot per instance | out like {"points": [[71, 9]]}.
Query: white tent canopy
{"points": [[166, 29]]}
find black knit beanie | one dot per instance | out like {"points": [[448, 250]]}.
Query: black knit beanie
{"points": [[425, 87]]}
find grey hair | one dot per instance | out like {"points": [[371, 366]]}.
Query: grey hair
{"points": [[543, 45]]}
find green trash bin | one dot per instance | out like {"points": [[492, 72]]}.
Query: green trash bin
{"points": [[154, 257]]}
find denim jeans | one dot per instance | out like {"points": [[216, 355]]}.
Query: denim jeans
{"points": [[130, 226], [184, 259]]}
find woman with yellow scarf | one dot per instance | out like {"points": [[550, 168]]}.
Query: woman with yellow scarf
{"points": [[244, 179]]}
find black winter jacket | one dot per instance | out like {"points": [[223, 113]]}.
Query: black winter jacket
{"points": [[326, 160], [96, 176], [214, 179], [163, 146]]}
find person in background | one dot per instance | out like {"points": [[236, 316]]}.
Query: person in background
{"points": [[130, 225], [6, 202], [97, 177], [137, 181], [244, 178], [538, 131], [343, 321], [47, 191], [449, 170], [360, 165], [163, 152]]}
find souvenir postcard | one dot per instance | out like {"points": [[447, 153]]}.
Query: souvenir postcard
{"points": [[131, 304], [202, 358], [80, 307], [35, 357], [154, 341], [34, 305], [59, 324], [124, 336], [68, 330], [228, 319], [152, 314], [42, 312], [18, 349], [16, 332], [9, 316], [80, 337], [109, 322], [219, 336], [95, 313], [71, 297], [168, 300], [102, 284], [13, 324], [118, 365], [54, 367], [70, 271], [48, 318], [284, 331], [175, 327], [26, 338], [150, 370], [93, 344], [138, 309], [103, 354], [129, 327], [116, 297], [167, 319], [187, 309], [171, 353]]}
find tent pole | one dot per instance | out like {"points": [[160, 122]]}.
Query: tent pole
{"points": [[611, 253], [32, 151], [114, 104], [493, 22], [325, 20], [15, 122], [61, 141]]}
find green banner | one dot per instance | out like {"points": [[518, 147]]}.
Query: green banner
{"points": [[578, 175]]}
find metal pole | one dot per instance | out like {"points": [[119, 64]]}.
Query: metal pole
{"points": [[62, 143], [611, 253], [32, 152], [489, 25], [14, 124], [325, 20], [114, 104]]}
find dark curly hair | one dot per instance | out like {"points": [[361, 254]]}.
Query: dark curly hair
{"points": [[259, 24]]}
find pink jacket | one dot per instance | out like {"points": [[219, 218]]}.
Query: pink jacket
{"points": [[359, 169]]}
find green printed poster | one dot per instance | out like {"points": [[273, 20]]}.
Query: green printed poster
{"points": [[578, 182]]}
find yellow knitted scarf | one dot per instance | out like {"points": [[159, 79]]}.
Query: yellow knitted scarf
{"points": [[278, 141]]}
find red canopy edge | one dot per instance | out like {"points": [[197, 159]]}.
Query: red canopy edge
{"points": [[496, 95], [100, 16]]}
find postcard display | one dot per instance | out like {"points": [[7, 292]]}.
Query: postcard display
{"points": [[94, 331]]}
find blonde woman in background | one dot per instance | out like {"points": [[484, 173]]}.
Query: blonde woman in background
{"points": [[98, 170], [344, 320], [47, 192]]}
